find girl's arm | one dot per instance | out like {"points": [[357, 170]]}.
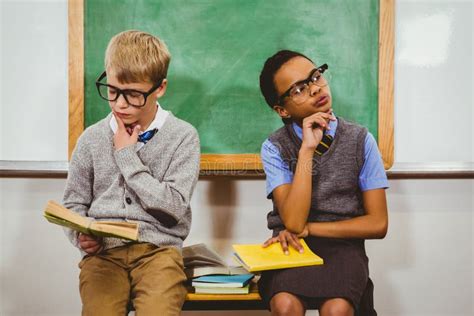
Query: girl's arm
{"points": [[372, 225], [294, 200]]}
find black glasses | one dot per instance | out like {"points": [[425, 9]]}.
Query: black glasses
{"points": [[300, 91], [134, 98]]}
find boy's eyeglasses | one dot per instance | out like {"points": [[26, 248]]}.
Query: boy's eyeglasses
{"points": [[134, 98], [300, 91]]}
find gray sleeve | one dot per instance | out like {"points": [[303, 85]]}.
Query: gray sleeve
{"points": [[78, 191], [166, 200]]}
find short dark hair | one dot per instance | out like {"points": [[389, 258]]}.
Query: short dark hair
{"points": [[267, 75]]}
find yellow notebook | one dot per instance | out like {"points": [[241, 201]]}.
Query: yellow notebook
{"points": [[256, 258]]}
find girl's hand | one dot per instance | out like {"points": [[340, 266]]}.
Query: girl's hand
{"points": [[90, 244], [285, 238], [313, 127]]}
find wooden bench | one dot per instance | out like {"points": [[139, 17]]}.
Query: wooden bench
{"points": [[222, 302]]}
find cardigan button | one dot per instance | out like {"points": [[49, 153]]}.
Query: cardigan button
{"points": [[128, 200]]}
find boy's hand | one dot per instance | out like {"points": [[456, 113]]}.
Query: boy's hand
{"points": [[125, 136], [90, 244], [285, 238], [313, 127]]}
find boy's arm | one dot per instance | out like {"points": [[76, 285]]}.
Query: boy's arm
{"points": [[78, 191], [166, 200]]}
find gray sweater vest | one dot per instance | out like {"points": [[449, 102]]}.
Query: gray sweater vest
{"points": [[335, 186]]}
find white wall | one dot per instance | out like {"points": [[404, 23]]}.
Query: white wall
{"points": [[33, 80], [433, 81], [423, 267]]}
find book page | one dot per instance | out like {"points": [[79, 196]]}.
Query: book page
{"points": [[57, 210], [58, 214], [200, 255], [115, 229]]}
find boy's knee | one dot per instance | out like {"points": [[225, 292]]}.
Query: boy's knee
{"points": [[286, 304], [337, 307]]}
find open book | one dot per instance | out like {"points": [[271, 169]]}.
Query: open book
{"points": [[256, 258], [200, 260], [57, 214]]}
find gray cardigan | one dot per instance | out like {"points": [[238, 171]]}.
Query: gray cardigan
{"points": [[152, 186]]}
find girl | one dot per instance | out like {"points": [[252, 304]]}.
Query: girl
{"points": [[327, 182]]}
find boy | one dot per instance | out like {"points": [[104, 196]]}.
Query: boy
{"points": [[141, 164]]}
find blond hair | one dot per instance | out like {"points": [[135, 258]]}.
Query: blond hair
{"points": [[135, 56]]}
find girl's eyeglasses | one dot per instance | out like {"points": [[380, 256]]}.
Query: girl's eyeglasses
{"points": [[300, 91]]}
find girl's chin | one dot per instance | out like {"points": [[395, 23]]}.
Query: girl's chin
{"points": [[327, 108]]}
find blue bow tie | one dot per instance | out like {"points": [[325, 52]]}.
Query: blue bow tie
{"points": [[147, 135]]}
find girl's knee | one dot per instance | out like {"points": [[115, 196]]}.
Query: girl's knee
{"points": [[336, 307], [286, 304]]}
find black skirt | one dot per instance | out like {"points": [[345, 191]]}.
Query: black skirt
{"points": [[344, 274]]}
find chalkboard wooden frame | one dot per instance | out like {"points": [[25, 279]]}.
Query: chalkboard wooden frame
{"points": [[237, 164]]}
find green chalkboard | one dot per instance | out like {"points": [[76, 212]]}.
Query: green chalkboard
{"points": [[218, 49]]}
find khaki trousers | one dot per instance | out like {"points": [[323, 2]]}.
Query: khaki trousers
{"points": [[149, 277]]}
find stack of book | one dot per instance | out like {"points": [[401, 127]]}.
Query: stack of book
{"points": [[201, 260], [209, 274], [222, 284]]}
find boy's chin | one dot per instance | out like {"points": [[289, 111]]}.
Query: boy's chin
{"points": [[131, 125], [130, 122]]}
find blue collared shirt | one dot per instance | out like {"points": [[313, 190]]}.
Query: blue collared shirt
{"points": [[372, 175]]}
